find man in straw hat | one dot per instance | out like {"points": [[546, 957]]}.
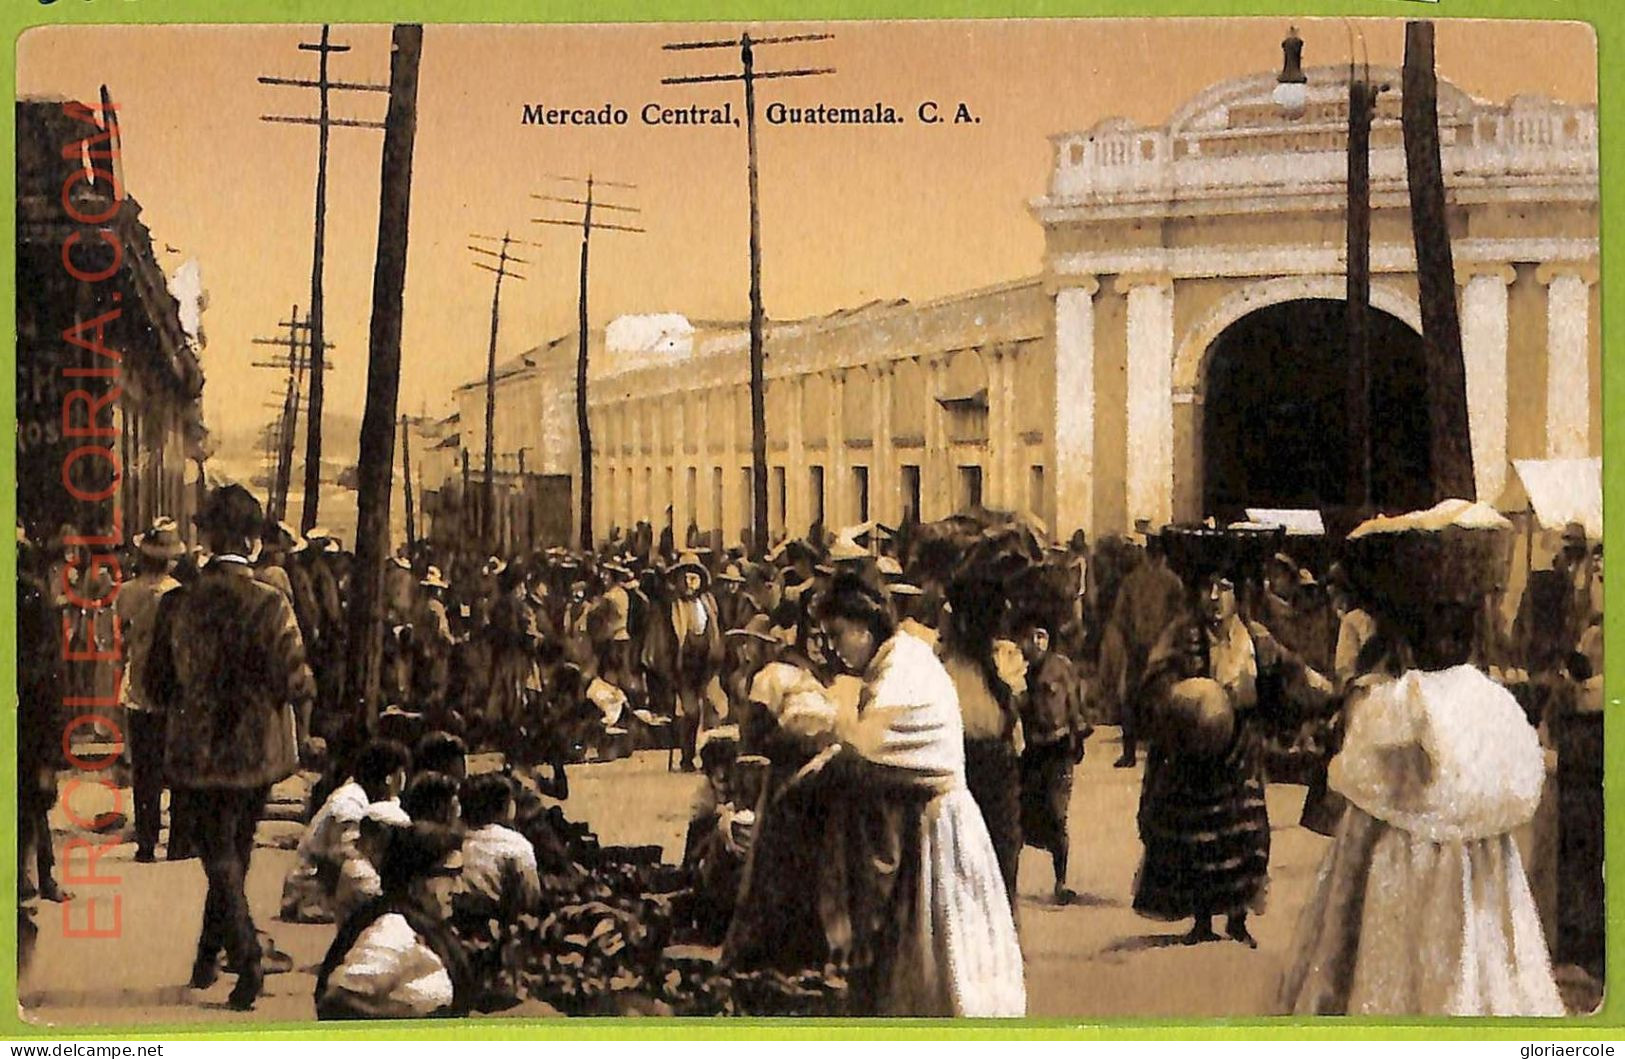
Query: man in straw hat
{"points": [[158, 549], [686, 648], [433, 642], [228, 668]]}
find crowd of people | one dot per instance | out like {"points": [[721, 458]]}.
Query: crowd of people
{"points": [[883, 718]]}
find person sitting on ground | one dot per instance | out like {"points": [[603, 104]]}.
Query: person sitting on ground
{"points": [[359, 881], [499, 864], [719, 833], [395, 957], [499, 884], [329, 840]]}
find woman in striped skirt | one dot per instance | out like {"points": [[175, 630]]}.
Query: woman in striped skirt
{"points": [[1202, 819]]}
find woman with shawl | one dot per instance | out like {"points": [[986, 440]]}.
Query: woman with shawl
{"points": [[1202, 818], [910, 887], [790, 717], [1422, 905]]}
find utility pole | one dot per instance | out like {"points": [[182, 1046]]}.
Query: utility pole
{"points": [[1451, 445], [1362, 104], [758, 407], [324, 121], [296, 365], [583, 425], [366, 611], [488, 492], [406, 484]]}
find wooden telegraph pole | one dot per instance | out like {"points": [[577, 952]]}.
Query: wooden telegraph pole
{"points": [[1362, 105], [296, 365], [1451, 445], [758, 407], [324, 121], [366, 614], [488, 498], [583, 425]]}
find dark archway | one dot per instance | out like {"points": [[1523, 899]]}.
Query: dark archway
{"points": [[1274, 421]]}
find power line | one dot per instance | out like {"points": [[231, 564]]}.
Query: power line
{"points": [[583, 425], [324, 121], [488, 492], [748, 76]]}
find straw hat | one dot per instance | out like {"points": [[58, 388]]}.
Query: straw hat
{"points": [[493, 567], [434, 579], [903, 588], [888, 567], [400, 563], [162, 540], [732, 575], [759, 627], [689, 563]]}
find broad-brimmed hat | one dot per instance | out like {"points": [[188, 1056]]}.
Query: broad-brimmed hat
{"points": [[401, 564], [759, 627], [1574, 533], [493, 567], [731, 574], [689, 562], [847, 550], [888, 567], [434, 579], [333, 546], [903, 588], [162, 540], [318, 535]]}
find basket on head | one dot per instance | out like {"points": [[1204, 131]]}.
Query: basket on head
{"points": [[1196, 552], [1456, 552]]}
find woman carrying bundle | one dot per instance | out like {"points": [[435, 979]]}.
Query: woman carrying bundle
{"points": [[1202, 816]]}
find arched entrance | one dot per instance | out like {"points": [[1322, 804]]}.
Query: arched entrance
{"points": [[1274, 415]]}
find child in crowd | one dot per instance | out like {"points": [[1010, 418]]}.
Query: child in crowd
{"points": [[329, 841], [395, 957]]}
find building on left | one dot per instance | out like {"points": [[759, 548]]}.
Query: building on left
{"points": [[110, 430]]}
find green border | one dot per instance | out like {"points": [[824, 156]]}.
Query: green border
{"points": [[1607, 19]]}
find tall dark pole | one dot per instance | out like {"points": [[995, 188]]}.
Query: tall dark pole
{"points": [[488, 499], [1451, 446], [1362, 103], [758, 406], [583, 353], [583, 426], [366, 612], [313, 430], [406, 485], [468, 501], [758, 384]]}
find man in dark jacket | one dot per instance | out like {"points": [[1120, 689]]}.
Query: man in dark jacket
{"points": [[228, 667]]}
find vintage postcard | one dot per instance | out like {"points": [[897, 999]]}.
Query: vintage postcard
{"points": [[1080, 519]]}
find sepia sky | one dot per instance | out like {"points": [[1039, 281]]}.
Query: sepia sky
{"points": [[848, 214]]}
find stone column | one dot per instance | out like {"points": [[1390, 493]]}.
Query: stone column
{"points": [[1074, 429], [1150, 396], [1011, 448], [836, 485], [1568, 348], [995, 493], [635, 462], [795, 462], [1484, 349], [732, 502], [884, 503], [935, 467]]}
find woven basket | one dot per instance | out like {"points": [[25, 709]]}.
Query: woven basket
{"points": [[1417, 568], [1197, 552]]}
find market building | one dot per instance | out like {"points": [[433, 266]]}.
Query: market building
{"points": [[109, 387], [1185, 330]]}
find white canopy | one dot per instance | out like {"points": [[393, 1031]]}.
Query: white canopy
{"points": [[1296, 522], [1559, 492]]}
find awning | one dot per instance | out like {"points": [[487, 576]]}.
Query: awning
{"points": [[1304, 522], [1558, 492]]}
